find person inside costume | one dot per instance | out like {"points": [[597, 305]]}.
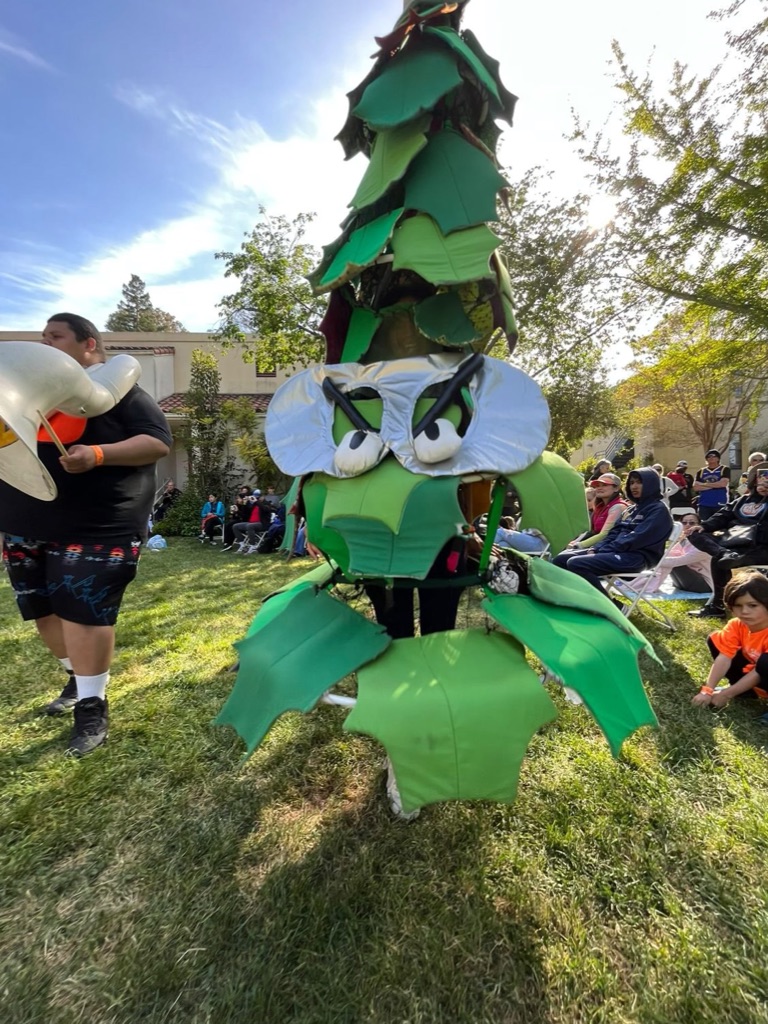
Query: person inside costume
{"points": [[740, 649], [608, 508], [636, 542], [744, 541], [69, 560], [711, 485]]}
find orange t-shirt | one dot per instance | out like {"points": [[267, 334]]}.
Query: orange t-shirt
{"points": [[735, 637]]}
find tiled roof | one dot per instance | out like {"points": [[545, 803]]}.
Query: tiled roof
{"points": [[156, 350], [177, 402]]}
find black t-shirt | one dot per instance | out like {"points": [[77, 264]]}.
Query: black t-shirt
{"points": [[106, 503]]}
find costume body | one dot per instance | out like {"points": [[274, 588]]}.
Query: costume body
{"points": [[408, 408]]}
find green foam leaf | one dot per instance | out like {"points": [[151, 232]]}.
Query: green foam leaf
{"points": [[360, 250], [453, 182], [362, 327], [411, 84], [391, 156], [442, 318], [451, 38], [419, 245]]}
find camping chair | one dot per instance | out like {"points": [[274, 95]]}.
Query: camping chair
{"points": [[643, 579]]}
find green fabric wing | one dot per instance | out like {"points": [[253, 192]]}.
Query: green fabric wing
{"points": [[411, 84], [362, 326], [309, 642], [453, 182], [588, 653], [391, 157], [455, 712], [359, 251], [508, 100], [552, 495], [451, 38], [563, 589], [419, 245]]}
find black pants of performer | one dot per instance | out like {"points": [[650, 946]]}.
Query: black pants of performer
{"points": [[725, 560], [393, 606], [736, 672]]}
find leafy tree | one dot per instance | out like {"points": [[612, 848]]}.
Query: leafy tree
{"points": [[273, 314], [206, 432], [135, 311], [249, 443], [562, 275], [691, 376], [692, 189]]}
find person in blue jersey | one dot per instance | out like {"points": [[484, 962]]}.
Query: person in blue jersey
{"points": [[635, 542], [711, 484]]}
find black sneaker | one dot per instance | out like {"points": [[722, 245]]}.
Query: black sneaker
{"points": [[66, 699], [91, 726], [709, 611]]}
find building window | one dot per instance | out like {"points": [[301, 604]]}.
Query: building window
{"points": [[263, 372]]}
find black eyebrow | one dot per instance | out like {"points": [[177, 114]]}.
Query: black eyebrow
{"points": [[354, 415], [464, 372]]}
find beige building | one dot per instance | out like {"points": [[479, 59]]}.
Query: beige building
{"points": [[166, 362]]}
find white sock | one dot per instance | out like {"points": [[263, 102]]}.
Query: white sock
{"points": [[66, 663], [92, 686]]}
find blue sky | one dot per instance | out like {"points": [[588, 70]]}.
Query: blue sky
{"points": [[141, 137]]}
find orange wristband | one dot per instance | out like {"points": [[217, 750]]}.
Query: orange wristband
{"points": [[707, 689], [98, 452]]}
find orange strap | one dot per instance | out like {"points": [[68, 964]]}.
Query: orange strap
{"points": [[707, 689], [98, 452]]}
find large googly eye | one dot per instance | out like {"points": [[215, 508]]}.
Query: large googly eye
{"points": [[437, 442], [358, 451]]}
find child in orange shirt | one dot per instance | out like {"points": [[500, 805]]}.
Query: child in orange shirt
{"points": [[740, 649]]}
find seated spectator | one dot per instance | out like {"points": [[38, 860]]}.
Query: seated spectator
{"points": [[636, 542], [743, 541], [239, 512], [247, 533], [689, 567], [757, 460], [275, 531], [211, 516], [609, 506], [171, 494], [590, 494], [528, 541], [300, 544], [683, 497]]}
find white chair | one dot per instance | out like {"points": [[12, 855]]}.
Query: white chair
{"points": [[636, 596]]}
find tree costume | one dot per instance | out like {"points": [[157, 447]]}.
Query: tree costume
{"points": [[406, 409]]}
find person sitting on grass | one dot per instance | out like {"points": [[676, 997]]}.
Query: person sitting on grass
{"points": [[635, 543], [740, 649]]}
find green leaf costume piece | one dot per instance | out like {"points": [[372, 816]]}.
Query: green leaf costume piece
{"points": [[362, 326], [309, 642], [391, 157], [393, 523], [442, 318], [552, 495], [410, 84], [361, 249], [592, 657], [452, 38], [330, 542], [455, 712], [508, 100], [453, 182], [563, 589], [462, 256]]}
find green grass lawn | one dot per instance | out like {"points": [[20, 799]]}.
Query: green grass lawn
{"points": [[162, 879]]}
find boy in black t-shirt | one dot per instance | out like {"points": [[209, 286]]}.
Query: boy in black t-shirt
{"points": [[70, 559]]}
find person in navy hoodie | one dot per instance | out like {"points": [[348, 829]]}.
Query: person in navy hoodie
{"points": [[635, 542]]}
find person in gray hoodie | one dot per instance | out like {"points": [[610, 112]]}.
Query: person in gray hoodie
{"points": [[635, 542]]}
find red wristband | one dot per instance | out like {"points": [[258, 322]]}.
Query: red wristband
{"points": [[98, 452]]}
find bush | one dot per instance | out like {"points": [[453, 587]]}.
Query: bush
{"points": [[183, 517]]}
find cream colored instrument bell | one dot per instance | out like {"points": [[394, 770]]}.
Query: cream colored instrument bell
{"points": [[35, 379]]}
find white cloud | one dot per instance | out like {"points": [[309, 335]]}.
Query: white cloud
{"points": [[10, 46]]}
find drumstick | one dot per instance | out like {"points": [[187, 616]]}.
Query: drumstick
{"points": [[52, 433]]}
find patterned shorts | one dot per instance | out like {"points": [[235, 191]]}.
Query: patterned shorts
{"points": [[81, 583]]}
